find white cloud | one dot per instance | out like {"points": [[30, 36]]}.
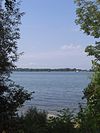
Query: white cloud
{"points": [[71, 47], [66, 56]]}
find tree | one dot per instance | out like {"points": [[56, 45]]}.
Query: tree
{"points": [[88, 17], [12, 96]]}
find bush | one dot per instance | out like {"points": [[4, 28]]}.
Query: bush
{"points": [[63, 122], [34, 121]]}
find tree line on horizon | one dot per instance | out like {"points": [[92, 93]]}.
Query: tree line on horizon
{"points": [[51, 69]]}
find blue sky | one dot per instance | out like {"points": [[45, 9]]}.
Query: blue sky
{"points": [[49, 36]]}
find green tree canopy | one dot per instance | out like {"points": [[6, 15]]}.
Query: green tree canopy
{"points": [[12, 96], [88, 17]]}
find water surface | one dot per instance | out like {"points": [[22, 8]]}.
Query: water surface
{"points": [[54, 90]]}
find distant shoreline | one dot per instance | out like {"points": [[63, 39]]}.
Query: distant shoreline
{"points": [[50, 70]]}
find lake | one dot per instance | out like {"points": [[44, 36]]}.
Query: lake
{"points": [[54, 90]]}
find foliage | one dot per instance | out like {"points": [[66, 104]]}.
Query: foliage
{"points": [[63, 122], [86, 122], [35, 121], [88, 17], [12, 96]]}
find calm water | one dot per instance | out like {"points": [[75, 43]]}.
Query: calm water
{"points": [[54, 90]]}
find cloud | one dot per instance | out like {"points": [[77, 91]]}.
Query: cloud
{"points": [[65, 56], [71, 47]]}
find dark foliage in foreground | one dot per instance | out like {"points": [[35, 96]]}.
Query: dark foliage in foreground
{"points": [[35, 121], [12, 96], [63, 122]]}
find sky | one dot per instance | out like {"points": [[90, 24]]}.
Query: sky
{"points": [[49, 36]]}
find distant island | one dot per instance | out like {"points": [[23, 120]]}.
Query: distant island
{"points": [[51, 70]]}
